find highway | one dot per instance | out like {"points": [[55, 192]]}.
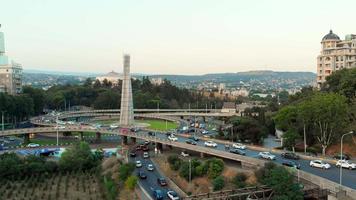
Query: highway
{"points": [[349, 177]]}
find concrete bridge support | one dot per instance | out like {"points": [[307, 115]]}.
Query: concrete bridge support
{"points": [[248, 166], [202, 155], [98, 137], [26, 138], [124, 140]]}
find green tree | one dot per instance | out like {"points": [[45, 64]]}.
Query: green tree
{"points": [[78, 157], [125, 170], [215, 167], [240, 180], [218, 183], [289, 138], [131, 182]]}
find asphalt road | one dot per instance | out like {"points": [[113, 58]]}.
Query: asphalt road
{"points": [[150, 183], [349, 176]]}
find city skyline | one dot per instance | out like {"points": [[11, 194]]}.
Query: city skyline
{"points": [[178, 37]]}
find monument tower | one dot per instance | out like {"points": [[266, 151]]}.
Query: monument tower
{"points": [[126, 109]]}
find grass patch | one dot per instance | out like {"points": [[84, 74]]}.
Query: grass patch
{"points": [[159, 124]]}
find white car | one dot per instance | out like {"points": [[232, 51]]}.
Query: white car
{"points": [[346, 164], [267, 155], [114, 126], [184, 154], [239, 146], [150, 167], [60, 127], [138, 163], [145, 155], [205, 132], [319, 164], [172, 138], [210, 144], [33, 145], [172, 195]]}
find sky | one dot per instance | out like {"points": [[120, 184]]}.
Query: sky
{"points": [[171, 36]]}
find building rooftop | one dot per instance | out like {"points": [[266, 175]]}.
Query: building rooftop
{"points": [[331, 36]]}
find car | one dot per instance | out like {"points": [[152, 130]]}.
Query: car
{"points": [[237, 151], [145, 155], [151, 133], [319, 164], [172, 138], [145, 148], [346, 164], [158, 195], [184, 154], [161, 181], [59, 127], [342, 157], [210, 144], [33, 145], [138, 163], [194, 138], [150, 167], [172, 195], [290, 155], [204, 132], [133, 154], [147, 142], [142, 175], [138, 148], [267, 155], [114, 126], [191, 142], [239, 146], [289, 163]]}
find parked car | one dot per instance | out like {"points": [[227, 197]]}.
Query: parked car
{"points": [[133, 154], [145, 155], [194, 138], [342, 157], [237, 151], [239, 146], [145, 148], [184, 154], [290, 155], [147, 142], [138, 164], [150, 167], [161, 181], [204, 132], [346, 164], [319, 164], [158, 195], [114, 126], [189, 141], [172, 195], [210, 144], [267, 155], [33, 145], [142, 175], [289, 163], [172, 138]]}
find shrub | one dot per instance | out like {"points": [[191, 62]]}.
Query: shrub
{"points": [[215, 167], [240, 180], [131, 182], [218, 183], [174, 162], [125, 170]]}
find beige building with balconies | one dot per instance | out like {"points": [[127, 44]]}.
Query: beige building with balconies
{"points": [[335, 54]]}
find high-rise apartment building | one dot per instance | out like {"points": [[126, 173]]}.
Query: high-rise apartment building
{"points": [[335, 54], [10, 72]]}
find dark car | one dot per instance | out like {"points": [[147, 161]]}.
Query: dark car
{"points": [[342, 157], [237, 151], [191, 142], [145, 148], [194, 138], [158, 194], [161, 181], [291, 164], [289, 155], [138, 148], [142, 175], [151, 133], [133, 154]]}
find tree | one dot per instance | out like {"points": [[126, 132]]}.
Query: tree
{"points": [[107, 100], [218, 183], [287, 118], [329, 117], [215, 167], [131, 182], [240, 180], [78, 157], [342, 82], [289, 139], [125, 170]]}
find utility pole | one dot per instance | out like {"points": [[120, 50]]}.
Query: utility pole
{"points": [[2, 120], [190, 171], [57, 129]]}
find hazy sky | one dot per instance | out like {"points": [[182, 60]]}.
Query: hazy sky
{"points": [[172, 36]]}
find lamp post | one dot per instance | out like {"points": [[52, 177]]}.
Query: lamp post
{"points": [[341, 156], [57, 129], [190, 171], [2, 120]]}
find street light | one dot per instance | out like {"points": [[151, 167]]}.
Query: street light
{"points": [[190, 171], [341, 156], [57, 129], [2, 120]]}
